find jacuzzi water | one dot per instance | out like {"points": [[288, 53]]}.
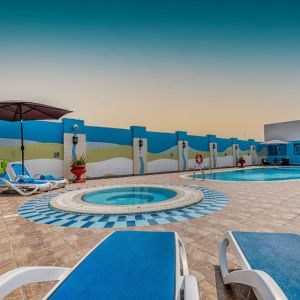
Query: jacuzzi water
{"points": [[259, 174], [129, 195]]}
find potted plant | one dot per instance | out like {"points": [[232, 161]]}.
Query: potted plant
{"points": [[78, 168], [3, 166], [242, 161]]}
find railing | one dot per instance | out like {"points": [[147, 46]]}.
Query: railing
{"points": [[202, 170]]}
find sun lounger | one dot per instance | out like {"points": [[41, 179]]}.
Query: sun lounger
{"points": [[23, 188], [56, 182], [270, 263], [126, 265]]}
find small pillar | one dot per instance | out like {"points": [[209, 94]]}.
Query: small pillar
{"points": [[74, 142], [252, 151], [235, 154], [213, 151], [140, 150], [183, 150]]}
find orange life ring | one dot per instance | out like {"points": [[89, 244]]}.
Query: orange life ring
{"points": [[199, 158]]}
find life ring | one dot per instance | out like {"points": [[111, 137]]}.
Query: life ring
{"points": [[199, 159]]}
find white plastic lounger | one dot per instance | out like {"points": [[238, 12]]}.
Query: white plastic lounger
{"points": [[126, 265], [270, 263], [16, 169], [24, 188]]}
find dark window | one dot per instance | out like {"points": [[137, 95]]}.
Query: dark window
{"points": [[297, 149], [275, 150]]}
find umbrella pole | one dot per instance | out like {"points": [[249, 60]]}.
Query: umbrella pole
{"points": [[22, 146]]}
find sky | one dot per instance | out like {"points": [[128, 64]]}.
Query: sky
{"points": [[205, 67]]}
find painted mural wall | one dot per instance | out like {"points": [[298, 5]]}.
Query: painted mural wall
{"points": [[225, 153], [198, 145], [49, 147], [43, 141], [109, 151], [162, 152]]}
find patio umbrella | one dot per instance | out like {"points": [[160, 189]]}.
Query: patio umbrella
{"points": [[275, 142], [15, 111]]}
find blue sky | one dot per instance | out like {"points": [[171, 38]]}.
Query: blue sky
{"points": [[161, 64]]}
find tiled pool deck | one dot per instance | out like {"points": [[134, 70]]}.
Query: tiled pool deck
{"points": [[270, 206]]}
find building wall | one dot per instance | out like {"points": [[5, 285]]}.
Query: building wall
{"points": [[49, 148], [109, 151], [162, 152], [198, 145], [285, 131]]}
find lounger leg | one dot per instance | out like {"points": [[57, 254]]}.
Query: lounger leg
{"points": [[27, 193]]}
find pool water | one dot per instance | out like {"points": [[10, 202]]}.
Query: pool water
{"points": [[129, 195], [259, 174]]}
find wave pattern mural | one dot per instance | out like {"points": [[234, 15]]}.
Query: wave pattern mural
{"points": [[108, 159], [162, 152], [110, 150], [10, 150], [163, 161]]}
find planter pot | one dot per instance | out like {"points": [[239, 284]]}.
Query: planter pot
{"points": [[242, 161], [78, 171]]}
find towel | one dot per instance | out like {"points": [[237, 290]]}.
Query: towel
{"points": [[46, 177], [26, 180]]}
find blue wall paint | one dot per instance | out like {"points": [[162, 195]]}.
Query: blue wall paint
{"points": [[199, 143], [68, 126], [181, 135], [290, 153], [108, 135], [138, 131], [38, 131], [243, 145], [223, 144], [52, 132], [160, 141]]}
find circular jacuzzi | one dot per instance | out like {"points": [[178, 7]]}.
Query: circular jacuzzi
{"points": [[126, 199], [134, 195]]}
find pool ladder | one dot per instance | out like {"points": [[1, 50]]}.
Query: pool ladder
{"points": [[201, 170]]}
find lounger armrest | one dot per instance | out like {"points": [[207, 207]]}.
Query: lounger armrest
{"points": [[261, 282], [263, 285], [24, 275], [190, 288], [183, 258]]}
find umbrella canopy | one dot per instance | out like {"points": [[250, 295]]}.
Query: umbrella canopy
{"points": [[275, 142], [24, 111]]}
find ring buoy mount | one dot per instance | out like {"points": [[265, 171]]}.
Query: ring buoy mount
{"points": [[199, 158]]}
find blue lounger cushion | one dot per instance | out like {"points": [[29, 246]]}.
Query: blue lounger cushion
{"points": [[21, 181], [17, 168], [128, 265], [277, 254]]}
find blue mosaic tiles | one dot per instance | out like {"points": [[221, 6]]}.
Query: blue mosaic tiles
{"points": [[38, 210]]}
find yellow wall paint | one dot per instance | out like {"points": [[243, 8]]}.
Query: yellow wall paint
{"points": [[101, 154]]}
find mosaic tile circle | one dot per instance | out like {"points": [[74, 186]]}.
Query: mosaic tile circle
{"points": [[38, 210]]}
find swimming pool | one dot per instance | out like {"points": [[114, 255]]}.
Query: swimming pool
{"points": [[257, 174], [129, 195]]}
